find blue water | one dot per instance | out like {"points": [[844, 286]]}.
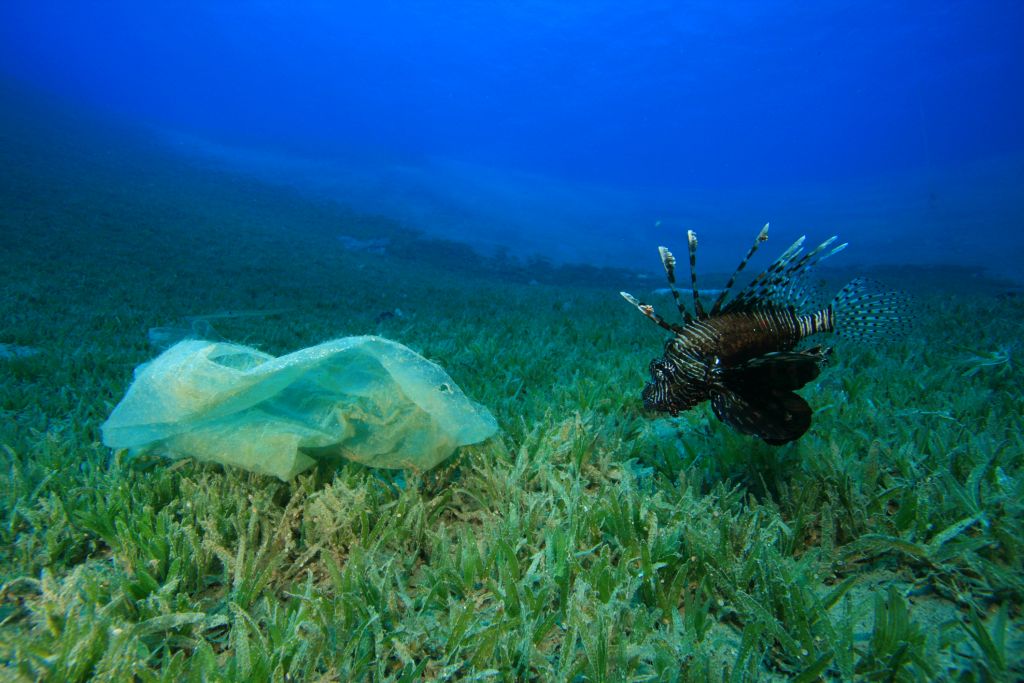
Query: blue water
{"points": [[587, 131]]}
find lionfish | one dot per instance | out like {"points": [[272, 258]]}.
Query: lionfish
{"points": [[743, 354]]}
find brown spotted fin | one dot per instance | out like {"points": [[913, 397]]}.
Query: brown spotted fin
{"points": [[779, 370], [777, 416], [757, 397]]}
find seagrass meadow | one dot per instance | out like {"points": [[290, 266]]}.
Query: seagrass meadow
{"points": [[588, 541]]}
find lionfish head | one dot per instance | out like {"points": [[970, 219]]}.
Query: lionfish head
{"points": [[668, 391]]}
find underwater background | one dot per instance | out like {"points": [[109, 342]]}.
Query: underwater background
{"points": [[478, 181]]}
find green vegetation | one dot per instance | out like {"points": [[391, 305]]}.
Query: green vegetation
{"points": [[589, 541]]}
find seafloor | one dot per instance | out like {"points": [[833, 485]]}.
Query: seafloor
{"points": [[588, 541]]}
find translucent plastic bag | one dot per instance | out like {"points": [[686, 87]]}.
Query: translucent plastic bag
{"points": [[368, 399]]}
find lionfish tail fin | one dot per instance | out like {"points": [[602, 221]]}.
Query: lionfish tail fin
{"points": [[866, 310]]}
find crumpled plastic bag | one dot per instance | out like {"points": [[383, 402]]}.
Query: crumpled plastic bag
{"points": [[368, 399]]}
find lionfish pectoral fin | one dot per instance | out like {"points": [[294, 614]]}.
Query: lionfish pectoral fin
{"points": [[784, 370], [777, 416]]}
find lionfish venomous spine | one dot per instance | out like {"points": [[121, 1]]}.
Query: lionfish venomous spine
{"points": [[742, 354]]}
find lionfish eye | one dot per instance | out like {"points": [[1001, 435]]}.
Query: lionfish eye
{"points": [[660, 370]]}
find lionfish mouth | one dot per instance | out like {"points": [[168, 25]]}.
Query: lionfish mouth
{"points": [[657, 393], [654, 396]]}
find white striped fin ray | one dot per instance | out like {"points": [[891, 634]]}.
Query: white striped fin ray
{"points": [[668, 261], [761, 237], [751, 296], [698, 308], [782, 283], [648, 311], [793, 291]]}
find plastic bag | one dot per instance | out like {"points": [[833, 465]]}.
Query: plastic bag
{"points": [[368, 399]]}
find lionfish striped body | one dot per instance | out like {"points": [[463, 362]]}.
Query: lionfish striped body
{"points": [[742, 355]]}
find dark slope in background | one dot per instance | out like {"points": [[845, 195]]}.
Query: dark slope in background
{"points": [[586, 132], [107, 191]]}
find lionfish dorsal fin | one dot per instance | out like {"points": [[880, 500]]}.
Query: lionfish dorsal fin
{"points": [[761, 237], [754, 293], [782, 284], [648, 311], [698, 308], [669, 263], [792, 290]]}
